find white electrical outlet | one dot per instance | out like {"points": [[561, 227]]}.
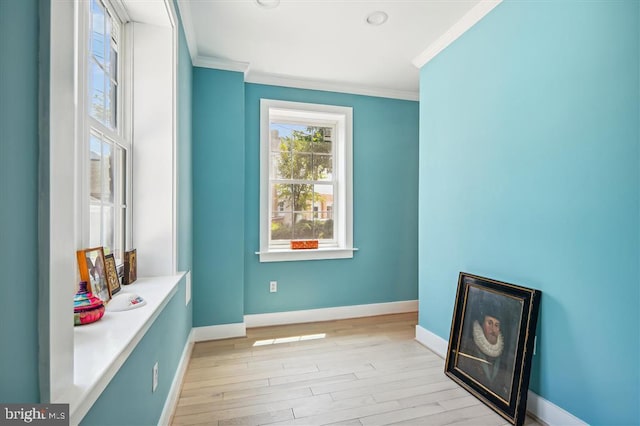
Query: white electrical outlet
{"points": [[273, 286], [154, 384]]}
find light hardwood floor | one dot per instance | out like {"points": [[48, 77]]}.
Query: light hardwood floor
{"points": [[356, 372]]}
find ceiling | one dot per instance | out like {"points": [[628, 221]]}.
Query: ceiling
{"points": [[327, 44]]}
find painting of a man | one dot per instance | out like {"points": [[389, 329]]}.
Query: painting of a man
{"points": [[489, 339]]}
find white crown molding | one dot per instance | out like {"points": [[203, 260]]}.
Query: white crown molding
{"points": [[471, 18], [189, 30], [277, 80], [330, 314], [221, 64], [537, 406]]}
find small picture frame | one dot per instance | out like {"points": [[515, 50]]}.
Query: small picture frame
{"points": [[491, 343], [112, 273], [130, 267], [92, 267]]}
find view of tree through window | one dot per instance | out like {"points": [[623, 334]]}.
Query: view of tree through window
{"points": [[302, 182]]}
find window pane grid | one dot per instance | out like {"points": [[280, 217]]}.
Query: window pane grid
{"points": [[302, 181], [103, 80], [302, 211], [107, 145]]}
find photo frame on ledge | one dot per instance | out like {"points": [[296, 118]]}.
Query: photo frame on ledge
{"points": [[491, 343], [112, 273], [92, 266], [130, 267]]}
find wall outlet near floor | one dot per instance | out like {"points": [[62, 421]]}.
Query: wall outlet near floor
{"points": [[154, 381], [273, 286]]}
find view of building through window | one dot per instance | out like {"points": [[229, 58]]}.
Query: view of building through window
{"points": [[107, 146]]}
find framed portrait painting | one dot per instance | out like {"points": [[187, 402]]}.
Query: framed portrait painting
{"points": [[92, 267], [491, 342], [130, 267]]}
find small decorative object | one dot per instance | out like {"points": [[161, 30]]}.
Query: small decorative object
{"points": [[130, 267], [491, 343], [92, 270], [304, 244], [125, 301], [86, 307], [112, 273]]}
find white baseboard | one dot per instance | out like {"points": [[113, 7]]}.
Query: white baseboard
{"points": [[216, 332], [432, 341], [174, 392], [537, 406], [550, 413], [329, 314]]}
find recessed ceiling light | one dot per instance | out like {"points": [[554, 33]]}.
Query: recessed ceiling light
{"points": [[268, 4], [377, 18]]}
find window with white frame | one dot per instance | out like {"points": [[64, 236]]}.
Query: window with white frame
{"points": [[107, 143], [92, 120], [305, 180]]}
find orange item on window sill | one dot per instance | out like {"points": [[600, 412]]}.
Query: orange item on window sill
{"points": [[304, 244]]}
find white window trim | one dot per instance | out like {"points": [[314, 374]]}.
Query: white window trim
{"points": [[343, 248], [66, 155], [122, 135]]}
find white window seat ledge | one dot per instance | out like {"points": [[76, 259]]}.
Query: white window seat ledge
{"points": [[322, 253], [102, 347]]}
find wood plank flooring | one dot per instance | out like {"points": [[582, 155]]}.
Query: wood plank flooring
{"points": [[356, 372]]}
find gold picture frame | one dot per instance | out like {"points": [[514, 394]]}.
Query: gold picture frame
{"points": [[112, 273], [91, 263]]}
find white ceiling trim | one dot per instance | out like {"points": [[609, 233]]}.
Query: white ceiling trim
{"points": [[221, 64], [189, 31], [471, 18], [275, 80], [121, 10]]}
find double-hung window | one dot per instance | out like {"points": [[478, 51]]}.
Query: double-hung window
{"points": [[94, 93], [306, 180], [107, 142]]}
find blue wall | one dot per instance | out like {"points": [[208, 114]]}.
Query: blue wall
{"points": [[218, 196], [529, 173], [229, 281], [385, 187], [19, 201], [128, 399]]}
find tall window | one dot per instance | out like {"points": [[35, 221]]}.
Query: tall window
{"points": [[302, 182], [305, 180], [108, 145]]}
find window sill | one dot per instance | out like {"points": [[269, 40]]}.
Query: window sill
{"points": [[287, 255], [102, 347]]}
